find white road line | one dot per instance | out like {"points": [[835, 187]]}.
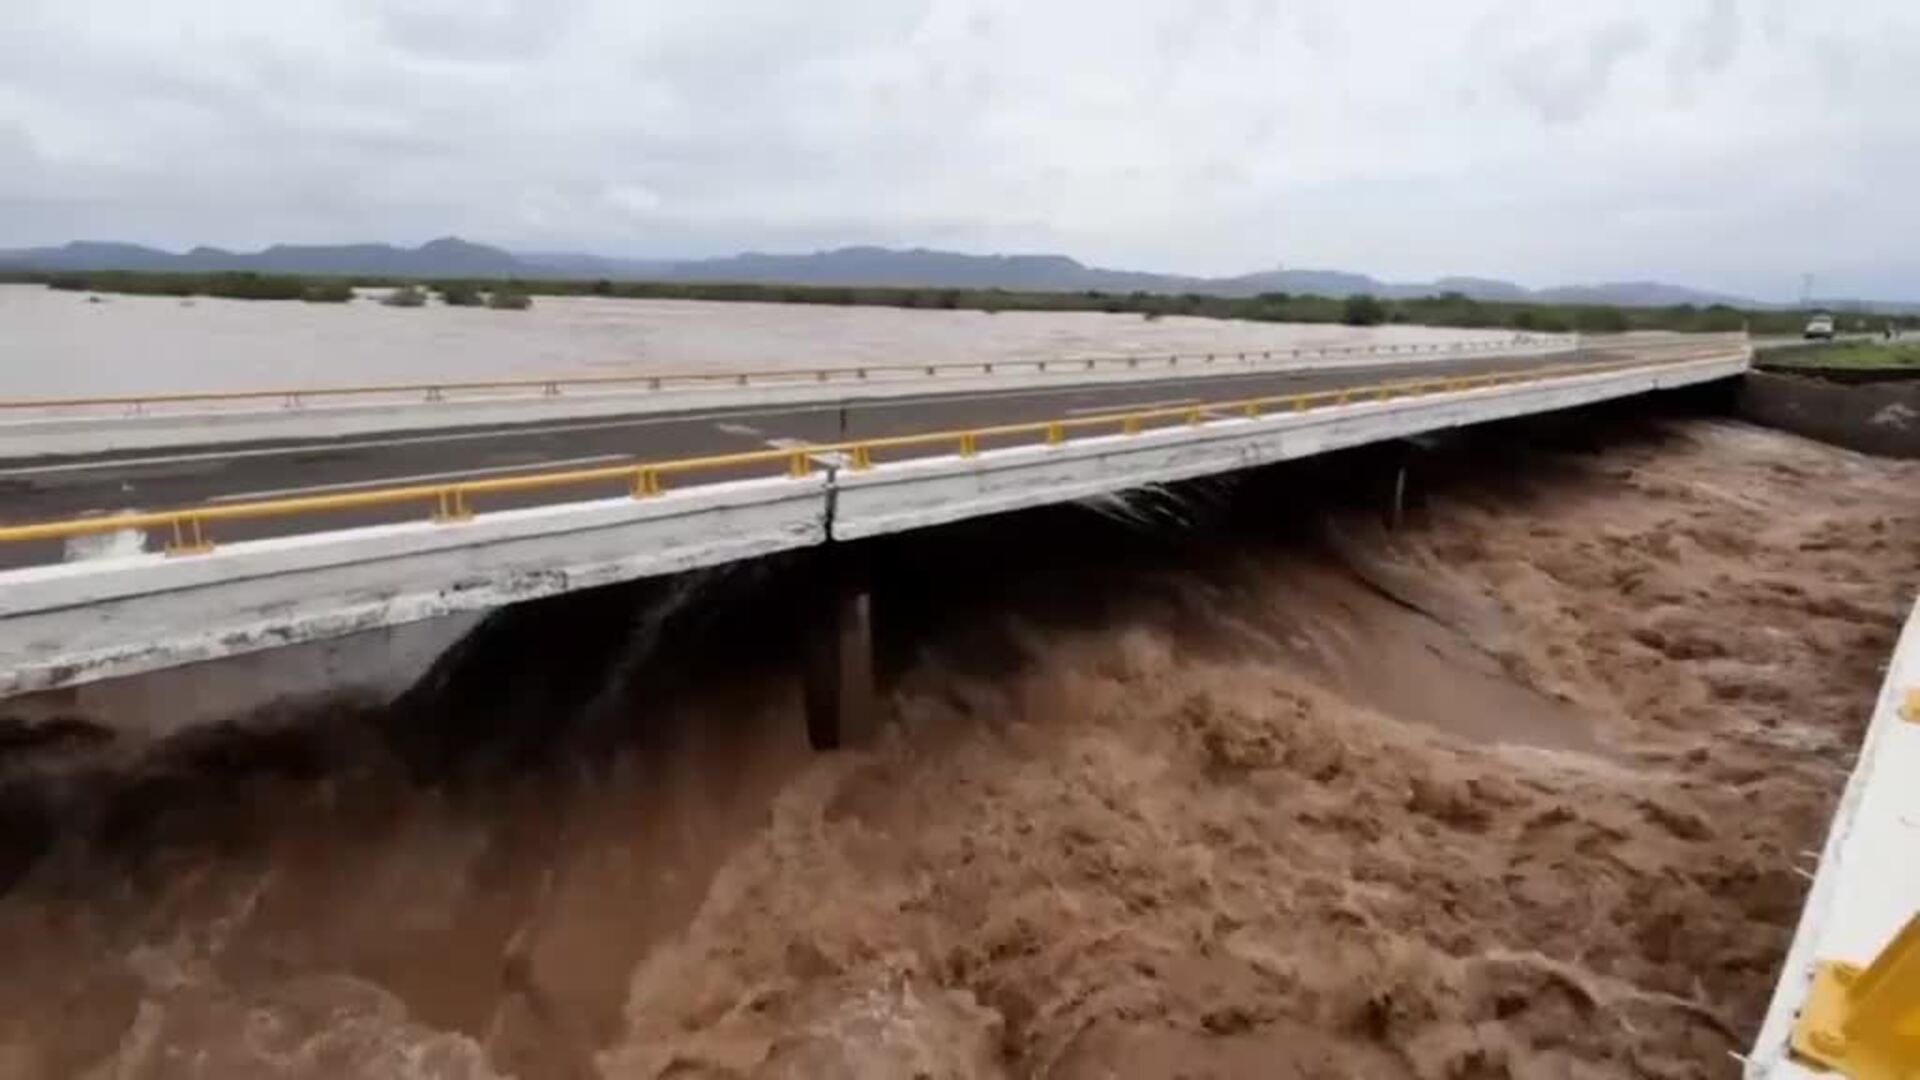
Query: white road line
{"points": [[740, 429], [788, 444], [418, 478], [1138, 406]]}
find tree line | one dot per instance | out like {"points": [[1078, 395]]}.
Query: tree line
{"points": [[1451, 309]]}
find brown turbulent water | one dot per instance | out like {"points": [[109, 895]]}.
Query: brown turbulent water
{"points": [[1232, 783]]}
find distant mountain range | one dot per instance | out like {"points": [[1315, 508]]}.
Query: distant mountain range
{"points": [[447, 257], [452, 257]]}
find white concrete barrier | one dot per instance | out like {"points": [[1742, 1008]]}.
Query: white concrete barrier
{"points": [[78, 622], [124, 614], [1868, 883]]}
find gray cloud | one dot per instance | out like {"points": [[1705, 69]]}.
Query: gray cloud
{"points": [[1564, 80], [1727, 143], [1717, 36]]}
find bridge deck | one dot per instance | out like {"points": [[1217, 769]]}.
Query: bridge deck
{"points": [[132, 609], [99, 484]]}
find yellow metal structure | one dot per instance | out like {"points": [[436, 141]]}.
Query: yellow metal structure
{"points": [[453, 502], [1865, 1023], [188, 538]]}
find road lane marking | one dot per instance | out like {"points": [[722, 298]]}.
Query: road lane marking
{"points": [[1141, 406], [417, 478], [740, 429]]}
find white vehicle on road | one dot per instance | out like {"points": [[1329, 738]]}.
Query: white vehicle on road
{"points": [[1819, 328]]}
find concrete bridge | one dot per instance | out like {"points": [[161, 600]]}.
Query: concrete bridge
{"points": [[331, 512]]}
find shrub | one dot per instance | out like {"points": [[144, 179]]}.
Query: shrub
{"points": [[460, 294], [327, 292], [1601, 320], [1721, 319], [509, 300], [406, 296], [1363, 310], [247, 285]]}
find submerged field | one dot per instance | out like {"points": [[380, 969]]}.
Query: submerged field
{"points": [[80, 349]]}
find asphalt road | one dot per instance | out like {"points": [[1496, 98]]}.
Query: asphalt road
{"points": [[31, 492]]}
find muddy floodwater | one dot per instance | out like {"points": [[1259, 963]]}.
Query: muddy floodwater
{"points": [[59, 344], [1225, 782]]}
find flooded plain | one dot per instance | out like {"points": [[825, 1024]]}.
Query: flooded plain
{"points": [[63, 344]]}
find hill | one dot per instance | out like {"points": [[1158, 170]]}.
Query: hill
{"points": [[446, 257], [451, 257]]}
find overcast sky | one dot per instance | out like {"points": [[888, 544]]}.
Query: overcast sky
{"points": [[1730, 144]]}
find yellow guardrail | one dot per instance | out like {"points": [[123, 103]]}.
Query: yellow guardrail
{"points": [[453, 502], [556, 386]]}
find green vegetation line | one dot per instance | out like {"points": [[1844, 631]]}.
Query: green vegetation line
{"points": [[1852, 355], [1446, 309]]}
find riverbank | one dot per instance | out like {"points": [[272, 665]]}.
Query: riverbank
{"points": [[1862, 409], [1861, 359]]}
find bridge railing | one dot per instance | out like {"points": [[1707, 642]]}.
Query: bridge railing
{"points": [[188, 532], [471, 389]]}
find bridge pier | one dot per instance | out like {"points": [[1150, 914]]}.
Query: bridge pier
{"points": [[839, 690], [1397, 506], [1402, 456]]}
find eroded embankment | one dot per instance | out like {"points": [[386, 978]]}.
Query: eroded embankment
{"points": [[1519, 790]]}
